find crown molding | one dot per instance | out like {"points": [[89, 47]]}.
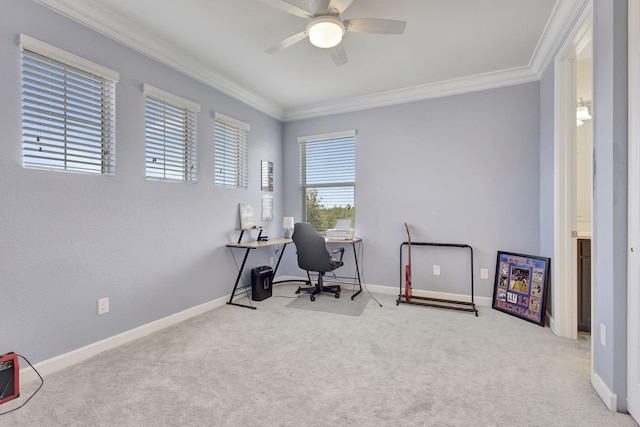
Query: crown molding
{"points": [[102, 20], [563, 19], [560, 24], [98, 18], [440, 89]]}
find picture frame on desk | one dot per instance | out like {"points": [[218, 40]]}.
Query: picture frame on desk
{"points": [[247, 219], [520, 287]]}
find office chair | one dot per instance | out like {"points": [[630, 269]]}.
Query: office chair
{"points": [[314, 256]]}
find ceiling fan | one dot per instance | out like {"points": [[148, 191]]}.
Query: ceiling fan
{"points": [[325, 27]]}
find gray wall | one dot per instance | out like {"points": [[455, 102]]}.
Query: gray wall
{"points": [[610, 99], [154, 248], [460, 169]]}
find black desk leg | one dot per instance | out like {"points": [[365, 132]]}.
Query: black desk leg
{"points": [[355, 256], [279, 258], [230, 302], [278, 265]]}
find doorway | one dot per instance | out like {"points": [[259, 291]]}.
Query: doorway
{"points": [[575, 55], [584, 184]]}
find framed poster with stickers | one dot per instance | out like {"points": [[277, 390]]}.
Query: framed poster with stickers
{"points": [[520, 288]]}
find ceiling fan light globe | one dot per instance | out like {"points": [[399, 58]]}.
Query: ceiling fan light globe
{"points": [[325, 31]]}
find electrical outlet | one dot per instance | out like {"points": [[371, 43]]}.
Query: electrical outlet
{"points": [[272, 261], [436, 270], [103, 305], [603, 335], [484, 273]]}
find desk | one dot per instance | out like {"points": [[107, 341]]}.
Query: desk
{"points": [[352, 242], [248, 246]]}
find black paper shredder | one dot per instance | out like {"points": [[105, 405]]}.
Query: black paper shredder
{"points": [[261, 281]]}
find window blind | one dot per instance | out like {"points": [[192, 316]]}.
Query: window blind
{"points": [[68, 113], [231, 152], [327, 178], [171, 136]]}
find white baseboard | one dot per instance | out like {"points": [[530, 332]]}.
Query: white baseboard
{"points": [[57, 363], [65, 360], [393, 290], [552, 323], [479, 301], [609, 398]]}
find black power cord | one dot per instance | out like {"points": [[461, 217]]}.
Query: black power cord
{"points": [[34, 393], [361, 254]]}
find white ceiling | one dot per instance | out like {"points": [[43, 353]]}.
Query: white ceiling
{"points": [[449, 46]]}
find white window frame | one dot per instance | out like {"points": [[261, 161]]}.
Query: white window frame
{"points": [[72, 130], [332, 166], [170, 136], [231, 152]]}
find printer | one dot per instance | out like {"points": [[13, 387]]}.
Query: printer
{"points": [[342, 231]]}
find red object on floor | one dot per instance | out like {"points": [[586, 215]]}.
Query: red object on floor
{"points": [[9, 377]]}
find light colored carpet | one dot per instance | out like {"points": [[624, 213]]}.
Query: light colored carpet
{"points": [[329, 304], [275, 366]]}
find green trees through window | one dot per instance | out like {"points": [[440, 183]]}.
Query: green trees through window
{"points": [[327, 179], [323, 218]]}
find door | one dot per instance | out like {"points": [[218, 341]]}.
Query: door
{"points": [[633, 261]]}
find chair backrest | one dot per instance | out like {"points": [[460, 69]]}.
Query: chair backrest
{"points": [[312, 249]]}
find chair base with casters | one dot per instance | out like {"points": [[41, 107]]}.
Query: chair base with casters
{"points": [[320, 287]]}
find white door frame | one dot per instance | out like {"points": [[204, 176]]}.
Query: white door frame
{"points": [[633, 258], [564, 267]]}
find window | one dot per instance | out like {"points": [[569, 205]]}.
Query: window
{"points": [[68, 111], [170, 135], [328, 178], [230, 152]]}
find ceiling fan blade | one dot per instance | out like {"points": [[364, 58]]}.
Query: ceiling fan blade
{"points": [[319, 7], [338, 54], [285, 6], [373, 25], [339, 5], [289, 41]]}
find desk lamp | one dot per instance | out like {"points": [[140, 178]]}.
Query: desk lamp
{"points": [[287, 224]]}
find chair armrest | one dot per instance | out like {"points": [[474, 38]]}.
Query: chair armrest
{"points": [[335, 251]]}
